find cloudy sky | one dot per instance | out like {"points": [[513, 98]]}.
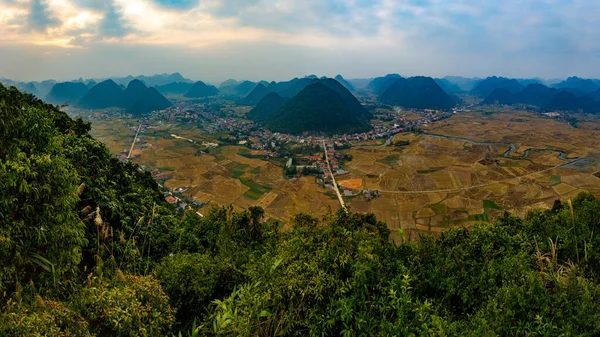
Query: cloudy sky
{"points": [[214, 40]]}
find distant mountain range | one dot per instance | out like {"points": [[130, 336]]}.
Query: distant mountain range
{"points": [[380, 84], [485, 87], [547, 98], [154, 80], [175, 88], [323, 105]]}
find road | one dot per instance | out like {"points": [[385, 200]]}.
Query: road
{"points": [[133, 143], [481, 185], [335, 185]]}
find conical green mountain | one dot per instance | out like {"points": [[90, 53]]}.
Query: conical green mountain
{"points": [[175, 88], [258, 93], [417, 93], [268, 107], [66, 92], [200, 90], [317, 108], [103, 95], [150, 100], [135, 90]]}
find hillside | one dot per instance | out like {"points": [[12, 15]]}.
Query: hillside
{"points": [[175, 88], [201, 90], [103, 95], [448, 86], [485, 87], [148, 101], [257, 94], [345, 83], [356, 108], [545, 98], [268, 107], [317, 108], [244, 88], [135, 90], [90, 248], [380, 84], [66, 93], [417, 93], [577, 86]]}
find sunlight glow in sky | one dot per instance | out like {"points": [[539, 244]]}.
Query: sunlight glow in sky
{"points": [[277, 39]]}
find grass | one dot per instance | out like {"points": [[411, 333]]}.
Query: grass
{"points": [[439, 209], [391, 160], [256, 191], [488, 204], [479, 217], [255, 170], [508, 163], [555, 180], [239, 170], [426, 171], [244, 152]]}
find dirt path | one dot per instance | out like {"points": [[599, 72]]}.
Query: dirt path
{"points": [[134, 139], [335, 185]]}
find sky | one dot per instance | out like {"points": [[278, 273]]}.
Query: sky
{"points": [[213, 40]]}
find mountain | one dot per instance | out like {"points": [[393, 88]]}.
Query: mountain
{"points": [[485, 87], [534, 94], [293, 87], [257, 94], [268, 107], [200, 90], [154, 80], [135, 90], [30, 88], [527, 81], [244, 88], [595, 95], [417, 93], [567, 101], [175, 88], [149, 100], [464, 83], [546, 99], [317, 108], [448, 86], [357, 109], [106, 94], [359, 83], [502, 96], [380, 84], [537, 94], [345, 83], [230, 83], [577, 86], [66, 92]]}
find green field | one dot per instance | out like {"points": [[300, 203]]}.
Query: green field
{"points": [[488, 204], [238, 170], [391, 160], [256, 190], [439, 209], [555, 180]]}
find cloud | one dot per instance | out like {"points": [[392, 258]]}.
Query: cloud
{"points": [[113, 25], [40, 18], [177, 4], [438, 37]]}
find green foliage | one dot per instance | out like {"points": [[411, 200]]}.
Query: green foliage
{"points": [[126, 305], [41, 318]]}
